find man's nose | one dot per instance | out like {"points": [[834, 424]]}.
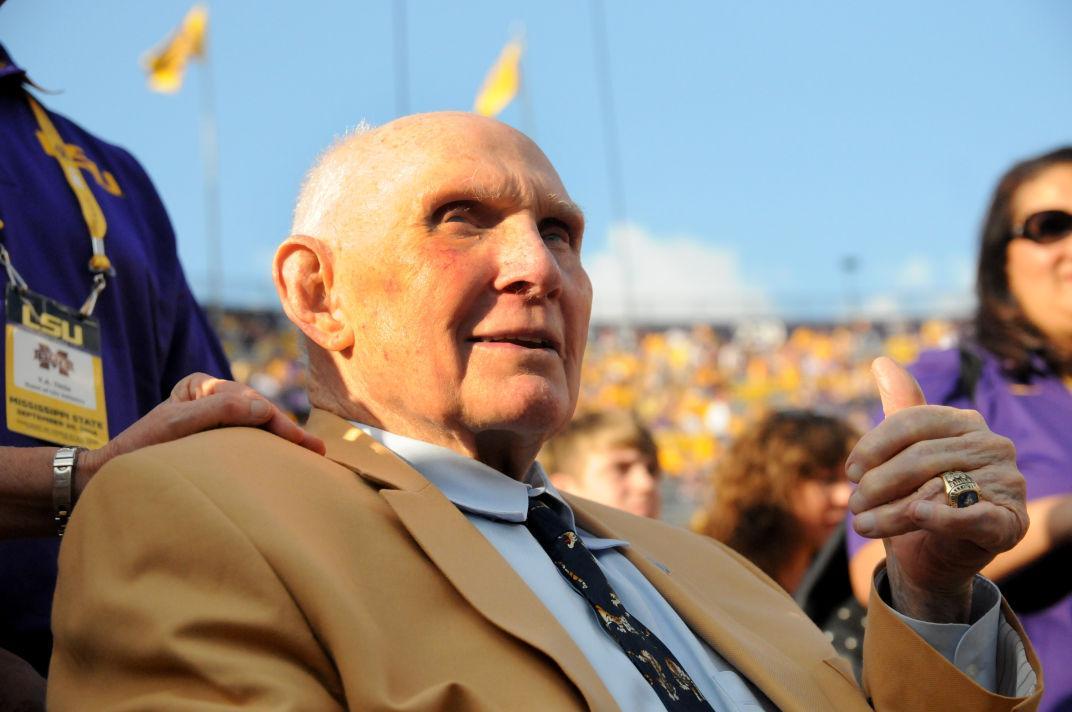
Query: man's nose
{"points": [[527, 266]]}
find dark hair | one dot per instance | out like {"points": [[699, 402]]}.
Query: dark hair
{"points": [[1000, 324], [755, 480]]}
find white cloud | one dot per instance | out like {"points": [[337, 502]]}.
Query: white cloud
{"points": [[674, 278]]}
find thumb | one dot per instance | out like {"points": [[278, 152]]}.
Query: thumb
{"points": [[896, 386]]}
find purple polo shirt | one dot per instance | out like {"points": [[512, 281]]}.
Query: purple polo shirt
{"points": [[152, 331], [1037, 416]]}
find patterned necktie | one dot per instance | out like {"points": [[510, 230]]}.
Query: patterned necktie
{"points": [[654, 660]]}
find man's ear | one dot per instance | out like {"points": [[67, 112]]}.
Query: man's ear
{"points": [[302, 270]]}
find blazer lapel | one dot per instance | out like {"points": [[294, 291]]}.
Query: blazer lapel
{"points": [[461, 552], [352, 448], [786, 682]]}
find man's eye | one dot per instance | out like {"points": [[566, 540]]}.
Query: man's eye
{"points": [[458, 215], [459, 211], [554, 231]]}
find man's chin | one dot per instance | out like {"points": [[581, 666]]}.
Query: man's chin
{"points": [[539, 411], [517, 392]]}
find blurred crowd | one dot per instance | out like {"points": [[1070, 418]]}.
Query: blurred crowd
{"points": [[265, 353], [697, 387]]}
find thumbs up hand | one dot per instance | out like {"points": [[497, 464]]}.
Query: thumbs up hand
{"points": [[933, 550]]}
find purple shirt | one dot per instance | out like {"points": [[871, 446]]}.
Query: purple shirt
{"points": [[1037, 416], [152, 331]]}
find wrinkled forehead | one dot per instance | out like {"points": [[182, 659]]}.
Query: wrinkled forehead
{"points": [[453, 157]]}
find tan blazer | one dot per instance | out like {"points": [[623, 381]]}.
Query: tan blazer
{"points": [[232, 569]]}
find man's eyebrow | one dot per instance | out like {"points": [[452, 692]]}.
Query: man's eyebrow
{"points": [[434, 197], [565, 204], [560, 206]]}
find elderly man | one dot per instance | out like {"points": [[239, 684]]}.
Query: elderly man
{"points": [[426, 563]]}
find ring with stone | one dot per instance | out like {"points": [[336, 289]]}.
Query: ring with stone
{"points": [[961, 490]]}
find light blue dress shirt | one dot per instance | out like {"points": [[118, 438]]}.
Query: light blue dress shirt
{"points": [[497, 505]]}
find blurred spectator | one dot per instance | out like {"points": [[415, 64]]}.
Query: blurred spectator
{"points": [[780, 499], [77, 216], [607, 457], [265, 353], [780, 491], [81, 224], [1017, 372]]}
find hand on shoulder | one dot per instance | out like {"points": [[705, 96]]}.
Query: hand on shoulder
{"points": [[198, 402]]}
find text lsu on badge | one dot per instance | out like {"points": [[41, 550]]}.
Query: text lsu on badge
{"points": [[54, 376], [52, 325]]}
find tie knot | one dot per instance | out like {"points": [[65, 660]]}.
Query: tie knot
{"points": [[544, 520], [540, 500]]}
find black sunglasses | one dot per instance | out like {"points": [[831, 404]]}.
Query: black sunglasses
{"points": [[1045, 227]]}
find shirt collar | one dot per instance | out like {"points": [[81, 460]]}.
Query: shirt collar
{"points": [[476, 488], [8, 68]]}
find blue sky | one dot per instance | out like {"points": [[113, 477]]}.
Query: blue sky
{"points": [[761, 142]]}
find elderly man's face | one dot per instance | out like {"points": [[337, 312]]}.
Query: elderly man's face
{"points": [[465, 291]]}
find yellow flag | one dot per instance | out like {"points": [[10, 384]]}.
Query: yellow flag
{"points": [[502, 82], [166, 63]]}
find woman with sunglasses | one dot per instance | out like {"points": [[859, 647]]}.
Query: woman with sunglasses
{"points": [[1017, 372]]}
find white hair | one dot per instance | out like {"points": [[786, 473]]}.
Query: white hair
{"points": [[324, 186]]}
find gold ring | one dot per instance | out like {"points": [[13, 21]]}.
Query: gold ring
{"points": [[960, 489]]}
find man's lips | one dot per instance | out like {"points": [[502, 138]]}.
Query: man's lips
{"points": [[526, 339]]}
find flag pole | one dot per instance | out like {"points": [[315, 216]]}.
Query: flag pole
{"points": [[614, 163], [401, 60], [210, 158]]}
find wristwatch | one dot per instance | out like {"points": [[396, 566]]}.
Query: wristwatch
{"points": [[63, 464]]}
